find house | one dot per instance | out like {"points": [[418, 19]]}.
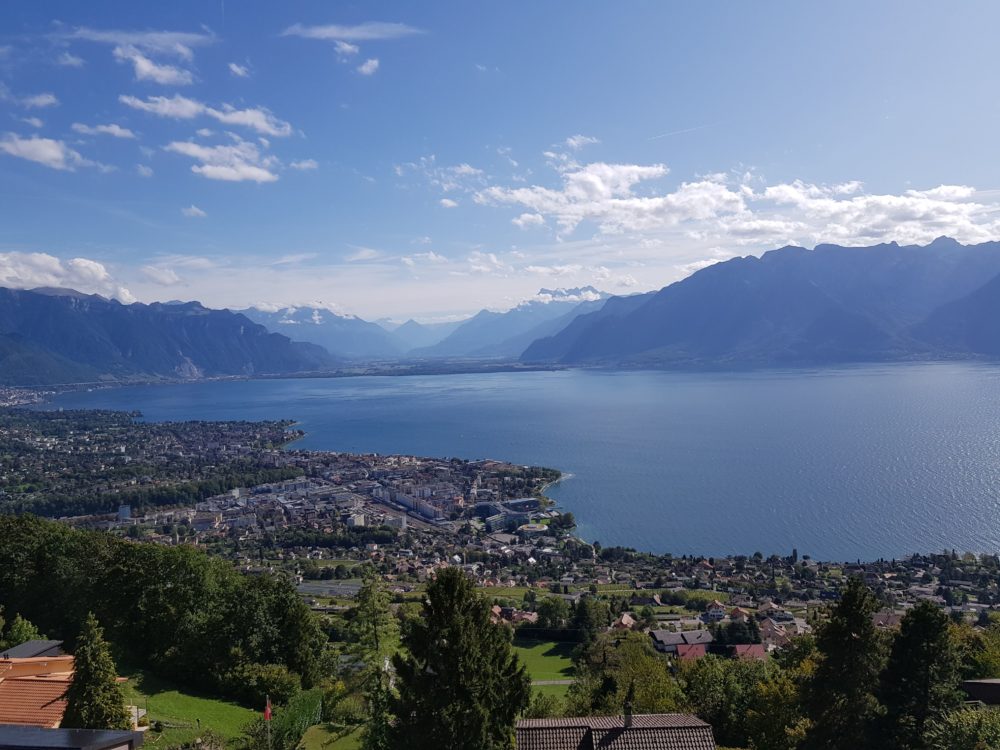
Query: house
{"points": [[625, 621], [691, 651], [666, 641], [984, 691], [35, 738], [748, 652], [31, 649], [646, 731], [715, 611], [32, 689]]}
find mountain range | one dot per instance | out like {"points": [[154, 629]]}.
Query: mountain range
{"points": [[795, 306], [58, 336], [789, 307]]}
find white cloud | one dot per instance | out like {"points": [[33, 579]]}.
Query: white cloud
{"points": [[39, 101], [304, 164], [459, 177], [526, 220], [69, 60], [241, 161], [110, 129], [204, 132], [147, 70], [576, 142], [346, 49], [179, 107], [240, 71], [364, 32], [430, 257], [193, 212], [34, 122], [143, 170], [448, 203], [32, 270], [51, 153], [160, 275], [174, 43], [368, 67], [176, 107], [362, 254]]}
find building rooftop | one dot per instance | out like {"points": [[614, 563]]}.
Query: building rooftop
{"points": [[647, 732], [34, 738], [30, 649]]}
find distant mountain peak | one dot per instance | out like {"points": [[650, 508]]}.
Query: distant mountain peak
{"points": [[575, 294]]}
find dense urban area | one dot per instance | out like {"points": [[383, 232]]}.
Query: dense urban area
{"points": [[299, 578]]}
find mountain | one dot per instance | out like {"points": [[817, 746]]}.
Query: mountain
{"points": [[798, 306], [344, 335], [414, 335], [507, 334], [53, 336]]}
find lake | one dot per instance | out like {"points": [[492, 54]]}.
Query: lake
{"points": [[861, 462]]}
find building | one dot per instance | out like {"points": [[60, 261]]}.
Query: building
{"points": [[645, 731], [32, 690], [35, 738], [666, 641], [32, 649]]}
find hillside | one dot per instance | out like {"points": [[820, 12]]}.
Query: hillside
{"points": [[55, 336], [798, 306]]}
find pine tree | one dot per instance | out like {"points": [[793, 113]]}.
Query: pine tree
{"points": [[377, 636], [461, 685], [94, 698], [840, 699], [920, 681]]}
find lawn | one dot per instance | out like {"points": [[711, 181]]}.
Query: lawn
{"points": [[558, 691], [324, 737], [546, 660], [181, 711]]}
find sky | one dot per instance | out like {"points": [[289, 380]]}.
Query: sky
{"points": [[427, 160]]}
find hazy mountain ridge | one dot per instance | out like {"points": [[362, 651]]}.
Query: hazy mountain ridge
{"points": [[342, 335], [797, 306], [55, 335]]}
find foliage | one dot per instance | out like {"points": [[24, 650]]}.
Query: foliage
{"points": [[920, 681], [543, 706], [19, 631], [722, 692], [612, 666], [840, 700], [553, 612], [253, 684], [288, 725], [171, 609], [461, 686], [965, 729], [94, 699]]}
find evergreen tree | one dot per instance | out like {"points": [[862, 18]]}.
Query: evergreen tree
{"points": [[19, 631], [377, 635], [94, 700], [920, 681], [840, 700], [461, 686]]}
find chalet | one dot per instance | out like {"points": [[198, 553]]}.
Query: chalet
{"points": [[715, 611], [666, 641]]}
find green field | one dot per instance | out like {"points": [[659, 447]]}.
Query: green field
{"points": [[323, 737], [546, 660], [559, 691], [181, 711]]}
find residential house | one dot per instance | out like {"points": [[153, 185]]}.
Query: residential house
{"points": [[642, 732]]}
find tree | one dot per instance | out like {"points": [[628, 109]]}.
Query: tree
{"points": [[721, 691], [613, 667], [461, 685], [920, 681], [19, 631], [965, 729], [377, 636], [94, 700], [840, 700], [553, 612]]}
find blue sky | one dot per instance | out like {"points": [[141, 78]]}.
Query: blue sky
{"points": [[431, 159]]}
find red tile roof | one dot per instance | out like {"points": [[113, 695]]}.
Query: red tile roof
{"points": [[648, 732], [33, 701]]}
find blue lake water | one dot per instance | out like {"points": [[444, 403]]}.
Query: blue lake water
{"points": [[861, 462]]}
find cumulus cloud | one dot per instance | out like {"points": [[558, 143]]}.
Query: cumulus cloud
{"points": [[576, 142], [364, 32], [51, 153], [39, 101], [304, 164], [458, 177], [143, 170], [193, 212], [147, 70], [526, 220], [34, 122], [448, 203], [346, 49], [180, 107], [240, 71], [240, 161], [32, 270], [368, 67], [117, 131]]}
